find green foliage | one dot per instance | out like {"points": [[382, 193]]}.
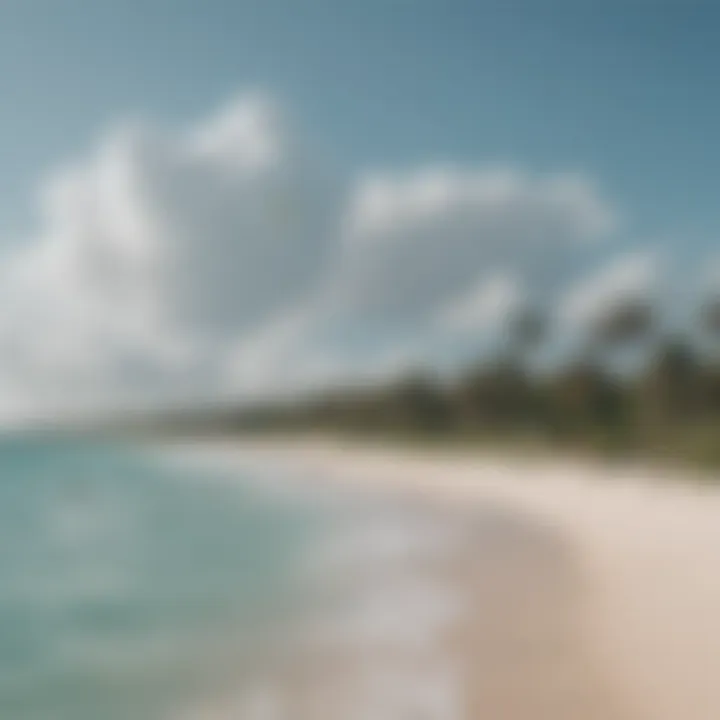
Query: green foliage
{"points": [[671, 408]]}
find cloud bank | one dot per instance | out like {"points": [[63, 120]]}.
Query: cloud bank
{"points": [[225, 259]]}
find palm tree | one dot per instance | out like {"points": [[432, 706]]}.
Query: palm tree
{"points": [[590, 394], [625, 323], [415, 403], [710, 317], [669, 391], [527, 329], [585, 399]]}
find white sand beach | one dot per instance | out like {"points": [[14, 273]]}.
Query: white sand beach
{"points": [[579, 590]]}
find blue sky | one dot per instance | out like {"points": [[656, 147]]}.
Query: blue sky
{"points": [[625, 90], [443, 159]]}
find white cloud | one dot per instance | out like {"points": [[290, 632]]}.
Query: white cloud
{"points": [[413, 241], [224, 257], [160, 249], [413, 246]]}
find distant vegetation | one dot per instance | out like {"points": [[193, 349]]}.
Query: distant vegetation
{"points": [[666, 406]]}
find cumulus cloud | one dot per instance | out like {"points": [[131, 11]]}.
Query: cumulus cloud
{"points": [[417, 247], [224, 257], [161, 248], [412, 241]]}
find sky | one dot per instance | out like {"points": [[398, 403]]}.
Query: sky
{"points": [[192, 192]]}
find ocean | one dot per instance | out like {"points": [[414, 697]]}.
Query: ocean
{"points": [[136, 584], [129, 587]]}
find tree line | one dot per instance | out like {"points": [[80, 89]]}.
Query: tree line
{"points": [[669, 405]]}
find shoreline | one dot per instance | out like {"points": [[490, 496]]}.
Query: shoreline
{"points": [[647, 547]]}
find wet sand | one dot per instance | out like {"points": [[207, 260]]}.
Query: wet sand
{"points": [[482, 621]]}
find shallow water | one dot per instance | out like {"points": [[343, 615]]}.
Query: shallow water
{"points": [[139, 585], [129, 587]]}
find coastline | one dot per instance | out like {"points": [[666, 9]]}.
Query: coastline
{"points": [[645, 548]]}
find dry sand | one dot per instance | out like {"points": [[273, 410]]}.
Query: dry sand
{"points": [[589, 591]]}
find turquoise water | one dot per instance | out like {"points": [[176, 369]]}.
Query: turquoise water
{"points": [[129, 587]]}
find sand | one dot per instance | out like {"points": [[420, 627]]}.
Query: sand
{"points": [[587, 591]]}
